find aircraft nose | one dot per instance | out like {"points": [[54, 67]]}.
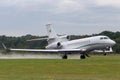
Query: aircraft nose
{"points": [[113, 42]]}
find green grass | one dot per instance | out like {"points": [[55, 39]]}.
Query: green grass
{"points": [[93, 68]]}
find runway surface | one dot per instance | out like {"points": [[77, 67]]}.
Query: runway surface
{"points": [[34, 56]]}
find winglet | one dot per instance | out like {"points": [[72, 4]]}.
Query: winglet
{"points": [[6, 49], [4, 46]]}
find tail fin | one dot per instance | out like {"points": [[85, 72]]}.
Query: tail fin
{"points": [[51, 32], [52, 36]]}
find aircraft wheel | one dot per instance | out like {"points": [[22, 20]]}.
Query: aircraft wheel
{"points": [[82, 56], [65, 56], [105, 54]]}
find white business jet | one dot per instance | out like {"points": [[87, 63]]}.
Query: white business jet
{"points": [[64, 46]]}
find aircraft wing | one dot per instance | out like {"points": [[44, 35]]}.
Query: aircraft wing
{"points": [[47, 50], [34, 50]]}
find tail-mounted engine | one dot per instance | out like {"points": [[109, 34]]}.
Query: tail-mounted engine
{"points": [[59, 45]]}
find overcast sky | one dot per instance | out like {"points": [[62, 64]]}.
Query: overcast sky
{"points": [[21, 17]]}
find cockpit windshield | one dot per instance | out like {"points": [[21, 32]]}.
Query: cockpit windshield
{"points": [[103, 38]]}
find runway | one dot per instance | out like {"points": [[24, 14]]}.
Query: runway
{"points": [[34, 56]]}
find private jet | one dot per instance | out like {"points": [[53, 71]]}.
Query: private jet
{"points": [[64, 46]]}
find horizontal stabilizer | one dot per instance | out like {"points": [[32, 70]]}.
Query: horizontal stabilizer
{"points": [[39, 39]]}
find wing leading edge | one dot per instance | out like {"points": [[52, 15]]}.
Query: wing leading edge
{"points": [[47, 50], [44, 50]]}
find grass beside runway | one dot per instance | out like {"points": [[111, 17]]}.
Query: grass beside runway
{"points": [[93, 68]]}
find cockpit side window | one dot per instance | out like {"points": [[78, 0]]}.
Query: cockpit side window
{"points": [[103, 38]]}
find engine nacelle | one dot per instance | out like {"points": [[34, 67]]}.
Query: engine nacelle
{"points": [[59, 46], [56, 45]]}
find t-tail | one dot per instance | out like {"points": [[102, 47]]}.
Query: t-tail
{"points": [[52, 36]]}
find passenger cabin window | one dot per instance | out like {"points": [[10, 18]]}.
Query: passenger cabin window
{"points": [[101, 38]]}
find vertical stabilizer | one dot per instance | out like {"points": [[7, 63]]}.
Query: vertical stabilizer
{"points": [[52, 36], [51, 32]]}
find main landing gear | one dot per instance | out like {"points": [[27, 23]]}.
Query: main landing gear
{"points": [[105, 54], [82, 56], [64, 56]]}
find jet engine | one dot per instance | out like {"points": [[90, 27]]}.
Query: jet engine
{"points": [[59, 45], [56, 45]]}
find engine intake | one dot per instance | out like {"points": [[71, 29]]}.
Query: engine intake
{"points": [[59, 45]]}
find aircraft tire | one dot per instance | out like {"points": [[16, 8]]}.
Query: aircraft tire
{"points": [[82, 56], [105, 54], [64, 57]]}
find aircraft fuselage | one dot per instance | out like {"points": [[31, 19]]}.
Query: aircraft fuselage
{"points": [[91, 43]]}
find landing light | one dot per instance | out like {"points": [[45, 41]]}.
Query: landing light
{"points": [[84, 49]]}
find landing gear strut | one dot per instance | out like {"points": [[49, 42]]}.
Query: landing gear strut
{"points": [[104, 53], [64, 56]]}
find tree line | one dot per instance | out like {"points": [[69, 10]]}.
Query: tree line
{"points": [[21, 42]]}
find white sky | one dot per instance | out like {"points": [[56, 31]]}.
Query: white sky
{"points": [[21, 17]]}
